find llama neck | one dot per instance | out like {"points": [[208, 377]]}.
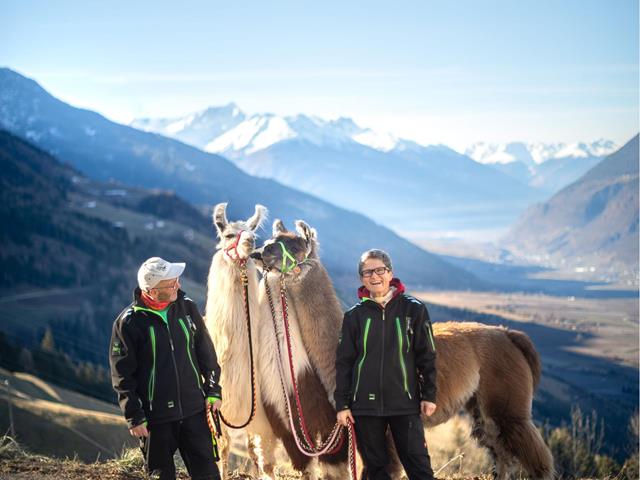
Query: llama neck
{"points": [[320, 319], [315, 290]]}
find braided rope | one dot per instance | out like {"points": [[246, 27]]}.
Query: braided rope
{"points": [[245, 292], [335, 440]]}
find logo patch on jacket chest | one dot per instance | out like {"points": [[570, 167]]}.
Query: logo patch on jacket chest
{"points": [[116, 349]]}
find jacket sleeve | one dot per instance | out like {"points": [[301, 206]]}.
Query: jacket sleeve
{"points": [[206, 355], [425, 356], [124, 364], [346, 355]]}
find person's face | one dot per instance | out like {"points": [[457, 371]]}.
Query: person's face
{"points": [[376, 277], [166, 290]]}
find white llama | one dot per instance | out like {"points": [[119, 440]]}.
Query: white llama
{"points": [[227, 324]]}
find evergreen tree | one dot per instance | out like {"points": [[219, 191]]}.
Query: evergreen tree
{"points": [[48, 344]]}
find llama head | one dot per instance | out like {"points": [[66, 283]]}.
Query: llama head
{"points": [[287, 252], [237, 239]]}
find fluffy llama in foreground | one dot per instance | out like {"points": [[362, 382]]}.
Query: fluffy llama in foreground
{"points": [[226, 322]]}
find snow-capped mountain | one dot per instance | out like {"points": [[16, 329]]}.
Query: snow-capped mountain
{"points": [[547, 166], [537, 153], [197, 129], [228, 131], [340, 161]]}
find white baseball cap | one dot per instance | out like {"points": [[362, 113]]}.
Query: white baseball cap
{"points": [[155, 269]]}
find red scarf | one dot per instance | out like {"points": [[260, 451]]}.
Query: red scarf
{"points": [[153, 304]]}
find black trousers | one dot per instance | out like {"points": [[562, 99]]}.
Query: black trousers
{"points": [[408, 435], [192, 437]]}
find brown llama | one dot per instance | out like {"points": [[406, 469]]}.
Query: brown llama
{"points": [[319, 317], [491, 372]]}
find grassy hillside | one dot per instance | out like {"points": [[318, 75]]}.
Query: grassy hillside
{"points": [[65, 435], [60, 423]]}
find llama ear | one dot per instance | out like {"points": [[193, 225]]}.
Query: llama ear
{"points": [[278, 227], [258, 217], [220, 217], [308, 233]]}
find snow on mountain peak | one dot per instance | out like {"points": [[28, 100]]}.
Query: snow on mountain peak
{"points": [[256, 133], [197, 128], [227, 130], [384, 142], [536, 153]]}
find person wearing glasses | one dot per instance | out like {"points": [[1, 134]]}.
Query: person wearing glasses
{"points": [[165, 371], [386, 371]]}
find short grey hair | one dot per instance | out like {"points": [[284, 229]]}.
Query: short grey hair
{"points": [[374, 253]]}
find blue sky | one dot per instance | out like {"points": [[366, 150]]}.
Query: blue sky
{"points": [[436, 72]]}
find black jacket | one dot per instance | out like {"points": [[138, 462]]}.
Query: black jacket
{"points": [[386, 358], [162, 370]]}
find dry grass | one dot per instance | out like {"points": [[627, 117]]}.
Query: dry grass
{"points": [[453, 452], [446, 442], [17, 464]]}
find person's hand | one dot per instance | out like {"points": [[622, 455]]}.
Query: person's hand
{"points": [[213, 404], [427, 408], [139, 430], [344, 417]]}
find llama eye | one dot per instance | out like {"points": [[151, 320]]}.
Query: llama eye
{"points": [[229, 236]]}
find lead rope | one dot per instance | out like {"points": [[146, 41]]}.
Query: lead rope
{"points": [[245, 290], [336, 438]]}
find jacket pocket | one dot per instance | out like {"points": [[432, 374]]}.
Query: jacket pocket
{"points": [[408, 332]]}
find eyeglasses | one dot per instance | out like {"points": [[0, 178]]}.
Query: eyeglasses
{"points": [[377, 271]]}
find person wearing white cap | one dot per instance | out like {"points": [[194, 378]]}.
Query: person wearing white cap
{"points": [[165, 371]]}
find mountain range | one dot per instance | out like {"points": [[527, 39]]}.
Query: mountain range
{"points": [[589, 226], [417, 188], [547, 166], [106, 151]]}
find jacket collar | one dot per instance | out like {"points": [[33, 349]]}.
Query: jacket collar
{"points": [[364, 294]]}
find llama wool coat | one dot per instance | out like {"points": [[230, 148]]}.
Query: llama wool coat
{"points": [[386, 357], [163, 363]]}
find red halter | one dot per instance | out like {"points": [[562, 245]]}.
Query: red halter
{"points": [[234, 247]]}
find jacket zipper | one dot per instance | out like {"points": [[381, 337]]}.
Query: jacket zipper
{"points": [[195, 370], [402, 365], [152, 377], [364, 355], [382, 366], [175, 367]]}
